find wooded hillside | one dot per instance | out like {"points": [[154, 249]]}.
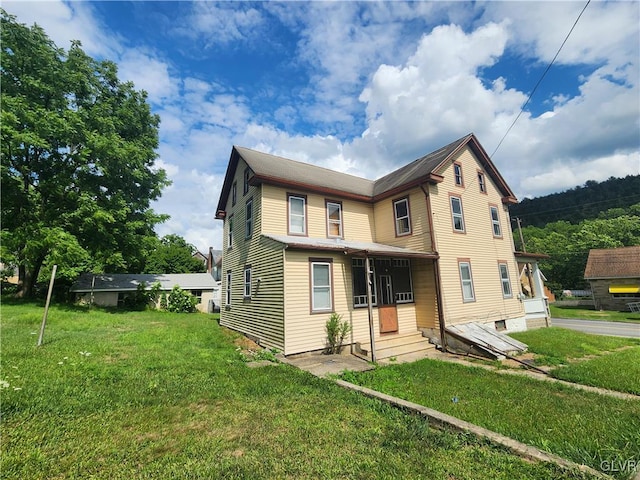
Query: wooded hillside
{"points": [[579, 203]]}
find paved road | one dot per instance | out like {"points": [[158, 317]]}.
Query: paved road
{"points": [[615, 329]]}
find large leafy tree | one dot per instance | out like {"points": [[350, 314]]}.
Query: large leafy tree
{"points": [[78, 152], [173, 255]]}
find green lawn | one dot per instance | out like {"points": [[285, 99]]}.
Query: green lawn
{"points": [[582, 426], [591, 314], [616, 365], [115, 395]]}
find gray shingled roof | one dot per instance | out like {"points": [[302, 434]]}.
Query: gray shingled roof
{"points": [[418, 169], [623, 262], [351, 247], [266, 166], [120, 282]]}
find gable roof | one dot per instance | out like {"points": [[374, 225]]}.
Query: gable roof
{"points": [[285, 172], [623, 262], [121, 282]]}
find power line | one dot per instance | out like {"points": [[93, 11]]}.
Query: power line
{"points": [[540, 80], [579, 206]]}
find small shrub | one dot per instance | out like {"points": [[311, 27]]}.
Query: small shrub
{"points": [[181, 301], [337, 331]]}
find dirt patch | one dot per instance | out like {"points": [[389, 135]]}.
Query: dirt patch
{"points": [[246, 344]]}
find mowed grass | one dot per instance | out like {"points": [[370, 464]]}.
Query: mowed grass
{"points": [[615, 366], [156, 395], [582, 426], [564, 311]]}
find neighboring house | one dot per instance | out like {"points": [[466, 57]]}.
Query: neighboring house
{"points": [[211, 261], [536, 294], [111, 290], [614, 275], [435, 235]]}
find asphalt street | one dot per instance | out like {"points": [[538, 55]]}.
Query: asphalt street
{"points": [[615, 329]]}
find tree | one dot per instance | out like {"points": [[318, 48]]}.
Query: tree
{"points": [[78, 152], [173, 255]]}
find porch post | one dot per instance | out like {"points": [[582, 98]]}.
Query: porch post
{"points": [[367, 266]]}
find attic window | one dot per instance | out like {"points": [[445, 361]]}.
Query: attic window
{"points": [[247, 176], [482, 183], [457, 173]]}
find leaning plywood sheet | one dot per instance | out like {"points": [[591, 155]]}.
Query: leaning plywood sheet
{"points": [[487, 337]]}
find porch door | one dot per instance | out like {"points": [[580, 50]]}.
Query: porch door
{"points": [[387, 313]]}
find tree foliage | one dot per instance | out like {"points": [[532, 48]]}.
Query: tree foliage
{"points": [[172, 254], [579, 203], [78, 152], [568, 244]]}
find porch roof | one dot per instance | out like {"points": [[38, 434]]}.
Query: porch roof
{"points": [[349, 247]]}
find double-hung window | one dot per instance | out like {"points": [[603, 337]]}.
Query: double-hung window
{"points": [[230, 232], [248, 222], [504, 278], [495, 221], [321, 285], [234, 193], [297, 214], [227, 299], [402, 217], [456, 214], [457, 174], [466, 280], [247, 177], [334, 219], [247, 282], [482, 184]]}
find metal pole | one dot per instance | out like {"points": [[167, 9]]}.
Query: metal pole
{"points": [[46, 306], [367, 267]]}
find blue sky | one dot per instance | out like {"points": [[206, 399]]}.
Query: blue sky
{"points": [[365, 88]]}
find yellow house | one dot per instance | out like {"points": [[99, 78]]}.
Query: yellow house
{"points": [[434, 235]]}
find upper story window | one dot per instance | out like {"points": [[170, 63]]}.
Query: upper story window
{"points": [[504, 278], [482, 183], [495, 221], [234, 193], [247, 176], [230, 232], [321, 285], [247, 282], [297, 214], [456, 214], [248, 223], [466, 281], [402, 217], [334, 219], [457, 174]]}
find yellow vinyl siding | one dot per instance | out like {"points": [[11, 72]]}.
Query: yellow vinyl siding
{"points": [[424, 291], [262, 316], [489, 304], [384, 217], [357, 217]]}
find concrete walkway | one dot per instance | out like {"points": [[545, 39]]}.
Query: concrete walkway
{"points": [[322, 365]]}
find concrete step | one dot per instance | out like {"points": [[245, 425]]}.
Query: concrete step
{"points": [[393, 346]]}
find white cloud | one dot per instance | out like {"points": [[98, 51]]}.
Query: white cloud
{"points": [[147, 73]]}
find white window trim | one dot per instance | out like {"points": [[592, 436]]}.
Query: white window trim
{"points": [[248, 222], [397, 218], [463, 281], [304, 214], [228, 290], [505, 281], [230, 233], [315, 309], [247, 282], [458, 167], [454, 215], [495, 222]]}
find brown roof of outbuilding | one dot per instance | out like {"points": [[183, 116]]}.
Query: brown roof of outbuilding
{"points": [[622, 262]]}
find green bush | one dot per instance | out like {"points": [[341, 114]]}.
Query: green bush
{"points": [[337, 331], [180, 301]]}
